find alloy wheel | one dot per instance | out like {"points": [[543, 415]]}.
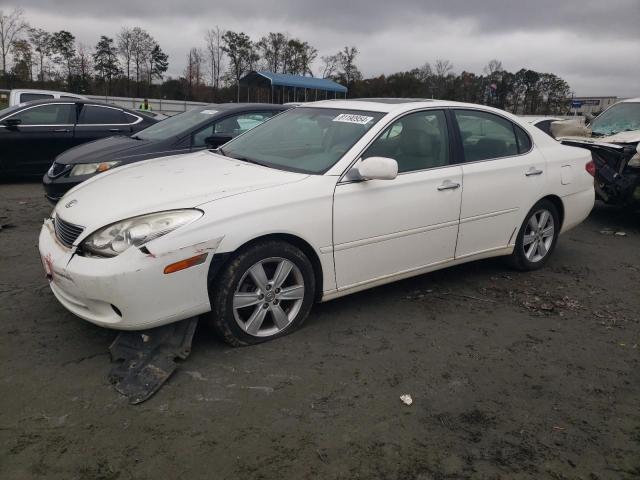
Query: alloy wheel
{"points": [[268, 297], [539, 235]]}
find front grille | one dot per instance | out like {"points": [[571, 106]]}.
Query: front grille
{"points": [[57, 169], [67, 232]]}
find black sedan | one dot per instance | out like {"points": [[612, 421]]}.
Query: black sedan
{"points": [[205, 127], [32, 134]]}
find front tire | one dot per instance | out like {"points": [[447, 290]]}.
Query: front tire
{"points": [[265, 291], [537, 237]]}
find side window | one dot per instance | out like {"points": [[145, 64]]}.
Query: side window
{"points": [[524, 142], [30, 97], [416, 141], [238, 124], [51, 114], [486, 136], [95, 115], [234, 125], [200, 135]]}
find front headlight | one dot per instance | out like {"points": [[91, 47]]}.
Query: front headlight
{"points": [[91, 168], [134, 232]]}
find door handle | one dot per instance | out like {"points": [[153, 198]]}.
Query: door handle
{"points": [[448, 185], [533, 171], [115, 129], [62, 130]]}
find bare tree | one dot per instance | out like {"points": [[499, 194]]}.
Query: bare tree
{"points": [[215, 55], [142, 45], [11, 26], [443, 67], [41, 41], [193, 72], [83, 66], [329, 65], [125, 48], [348, 70], [492, 67]]}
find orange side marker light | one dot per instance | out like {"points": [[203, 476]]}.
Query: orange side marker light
{"points": [[186, 263]]}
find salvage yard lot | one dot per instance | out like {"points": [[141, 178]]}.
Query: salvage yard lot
{"points": [[513, 375]]}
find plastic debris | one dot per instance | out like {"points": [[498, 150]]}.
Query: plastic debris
{"points": [[406, 399]]}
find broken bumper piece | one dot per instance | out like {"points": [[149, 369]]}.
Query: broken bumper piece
{"points": [[126, 292]]}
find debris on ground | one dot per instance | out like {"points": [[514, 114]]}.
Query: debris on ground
{"points": [[146, 359], [406, 399]]}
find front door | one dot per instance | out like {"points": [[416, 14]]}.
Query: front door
{"points": [[384, 228], [44, 132]]}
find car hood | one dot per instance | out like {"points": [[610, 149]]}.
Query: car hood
{"points": [[621, 137], [109, 149], [181, 181]]}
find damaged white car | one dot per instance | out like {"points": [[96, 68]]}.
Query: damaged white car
{"points": [[613, 137], [321, 201]]}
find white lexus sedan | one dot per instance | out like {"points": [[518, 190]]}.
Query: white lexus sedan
{"points": [[323, 200]]}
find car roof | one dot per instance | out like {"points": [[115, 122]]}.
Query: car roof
{"points": [[242, 107], [50, 92], [71, 100], [396, 105], [630, 100]]}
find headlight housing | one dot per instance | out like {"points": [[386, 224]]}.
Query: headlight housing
{"points": [[114, 239], [91, 168]]}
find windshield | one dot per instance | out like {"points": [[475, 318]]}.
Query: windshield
{"points": [[176, 125], [622, 117], [308, 140]]}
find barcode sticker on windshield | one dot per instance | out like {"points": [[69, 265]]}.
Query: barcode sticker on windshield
{"points": [[350, 118], [209, 112]]}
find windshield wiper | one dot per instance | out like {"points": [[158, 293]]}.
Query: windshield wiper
{"points": [[245, 159]]}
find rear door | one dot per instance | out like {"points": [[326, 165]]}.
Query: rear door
{"points": [[100, 121], [504, 176], [44, 132]]}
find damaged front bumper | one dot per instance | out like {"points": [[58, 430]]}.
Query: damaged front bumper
{"points": [[617, 179], [126, 292]]}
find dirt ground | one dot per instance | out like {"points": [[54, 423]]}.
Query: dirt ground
{"points": [[513, 376]]}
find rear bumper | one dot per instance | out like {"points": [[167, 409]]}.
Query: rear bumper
{"points": [[127, 292], [577, 207]]}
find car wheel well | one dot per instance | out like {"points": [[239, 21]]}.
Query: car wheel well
{"points": [[557, 202], [220, 260]]}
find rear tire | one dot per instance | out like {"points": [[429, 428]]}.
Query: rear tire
{"points": [[537, 237], [264, 292]]}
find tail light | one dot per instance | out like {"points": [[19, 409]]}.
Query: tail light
{"points": [[591, 168]]}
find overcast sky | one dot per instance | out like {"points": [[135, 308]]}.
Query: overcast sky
{"points": [[593, 44]]}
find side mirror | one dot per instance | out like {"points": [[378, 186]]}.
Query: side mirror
{"points": [[377, 168], [12, 123], [217, 139]]}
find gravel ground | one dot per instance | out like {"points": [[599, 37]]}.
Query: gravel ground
{"points": [[513, 375]]}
